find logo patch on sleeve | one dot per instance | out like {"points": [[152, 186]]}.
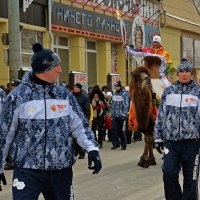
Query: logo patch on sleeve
{"points": [[18, 184]]}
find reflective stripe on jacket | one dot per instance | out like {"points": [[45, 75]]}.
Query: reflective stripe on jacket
{"points": [[38, 125]]}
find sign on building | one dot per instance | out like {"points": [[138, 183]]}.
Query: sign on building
{"points": [[79, 77]]}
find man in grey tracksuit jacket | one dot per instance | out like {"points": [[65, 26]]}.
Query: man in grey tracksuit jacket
{"points": [[120, 105], [39, 121], [177, 132]]}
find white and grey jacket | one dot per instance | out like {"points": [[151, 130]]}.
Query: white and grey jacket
{"points": [[38, 125], [2, 99], [120, 104], [179, 113]]}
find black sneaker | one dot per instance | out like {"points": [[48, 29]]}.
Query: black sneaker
{"points": [[115, 147], [8, 166], [81, 156], [123, 148]]}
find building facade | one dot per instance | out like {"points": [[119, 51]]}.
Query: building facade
{"points": [[32, 29], [86, 35]]}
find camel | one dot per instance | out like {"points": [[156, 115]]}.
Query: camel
{"points": [[143, 111]]}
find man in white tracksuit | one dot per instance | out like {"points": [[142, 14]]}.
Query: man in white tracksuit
{"points": [[39, 121], [177, 132]]}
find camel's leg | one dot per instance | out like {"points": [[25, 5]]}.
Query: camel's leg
{"points": [[152, 160], [144, 159]]}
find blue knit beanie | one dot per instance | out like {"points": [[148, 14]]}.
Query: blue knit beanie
{"points": [[118, 83], [184, 66], [43, 59]]}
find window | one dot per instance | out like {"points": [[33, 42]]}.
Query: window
{"points": [[28, 38], [91, 62], [188, 49], [91, 45], [62, 49]]}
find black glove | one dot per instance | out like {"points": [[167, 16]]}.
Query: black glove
{"points": [[93, 156], [123, 118], [3, 180], [159, 146], [154, 96]]}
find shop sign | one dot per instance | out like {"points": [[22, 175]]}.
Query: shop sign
{"points": [[26, 4], [80, 19], [82, 79], [114, 79]]}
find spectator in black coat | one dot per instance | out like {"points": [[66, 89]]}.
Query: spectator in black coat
{"points": [[84, 103]]}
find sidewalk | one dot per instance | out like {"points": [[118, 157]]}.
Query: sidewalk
{"points": [[120, 178]]}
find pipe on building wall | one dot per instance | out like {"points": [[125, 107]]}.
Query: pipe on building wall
{"points": [[182, 19], [50, 2], [14, 39]]}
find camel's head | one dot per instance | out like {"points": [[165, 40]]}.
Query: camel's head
{"points": [[140, 78]]}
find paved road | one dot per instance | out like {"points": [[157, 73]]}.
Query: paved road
{"points": [[120, 178]]}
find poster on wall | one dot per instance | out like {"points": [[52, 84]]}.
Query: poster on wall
{"points": [[188, 49], [79, 77], [138, 37], [150, 32], [138, 33], [197, 53], [112, 79]]}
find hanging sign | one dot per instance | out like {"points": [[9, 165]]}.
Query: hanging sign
{"points": [[79, 77], [112, 79]]}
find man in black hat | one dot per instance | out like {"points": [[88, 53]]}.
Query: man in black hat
{"points": [[14, 83], [84, 103], [39, 121], [177, 131], [82, 99]]}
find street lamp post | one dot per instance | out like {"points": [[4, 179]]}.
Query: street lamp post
{"points": [[14, 39]]}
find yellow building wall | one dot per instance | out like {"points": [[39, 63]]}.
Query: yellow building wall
{"points": [[4, 71], [175, 27], [103, 61], [171, 40], [184, 9], [77, 53]]}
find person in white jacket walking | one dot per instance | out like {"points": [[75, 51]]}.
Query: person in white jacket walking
{"points": [[39, 121]]}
